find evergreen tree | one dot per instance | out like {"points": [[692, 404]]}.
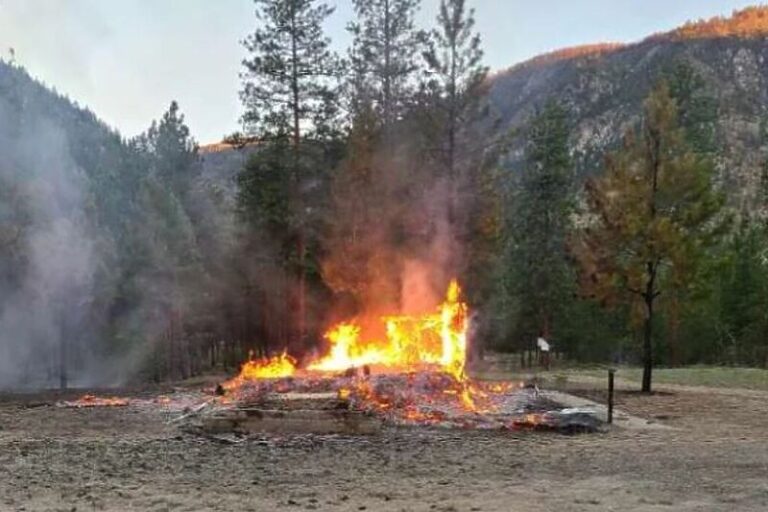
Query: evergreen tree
{"points": [[538, 225], [15, 221], [697, 114], [352, 201], [289, 93], [697, 111], [455, 61], [652, 213], [742, 286], [174, 153], [290, 76], [385, 51]]}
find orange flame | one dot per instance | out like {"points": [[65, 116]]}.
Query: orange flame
{"points": [[97, 401], [433, 341], [265, 368], [412, 342]]}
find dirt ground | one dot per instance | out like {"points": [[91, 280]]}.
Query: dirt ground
{"points": [[715, 457]]}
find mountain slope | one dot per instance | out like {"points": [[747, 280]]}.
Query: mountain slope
{"points": [[100, 250], [603, 87]]}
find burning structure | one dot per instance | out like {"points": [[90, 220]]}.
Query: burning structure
{"points": [[414, 375]]}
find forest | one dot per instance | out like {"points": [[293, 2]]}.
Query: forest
{"points": [[371, 178]]}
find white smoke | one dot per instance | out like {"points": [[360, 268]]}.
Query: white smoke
{"points": [[44, 315]]}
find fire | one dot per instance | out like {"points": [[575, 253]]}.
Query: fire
{"points": [[412, 373], [272, 368], [265, 368], [411, 343], [453, 332], [96, 401], [434, 342]]}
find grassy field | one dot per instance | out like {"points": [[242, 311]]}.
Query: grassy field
{"points": [[505, 367], [745, 378]]}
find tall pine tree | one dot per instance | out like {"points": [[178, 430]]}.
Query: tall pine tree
{"points": [[538, 225], [455, 61], [386, 49], [290, 93]]}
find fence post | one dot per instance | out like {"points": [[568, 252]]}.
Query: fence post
{"points": [[611, 373]]}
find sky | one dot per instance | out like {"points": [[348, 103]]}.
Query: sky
{"points": [[128, 59]]}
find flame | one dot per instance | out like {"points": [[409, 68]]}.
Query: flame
{"points": [[265, 368], [411, 342], [453, 314], [434, 342], [97, 401]]}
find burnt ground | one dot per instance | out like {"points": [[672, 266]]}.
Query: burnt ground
{"points": [[715, 457]]}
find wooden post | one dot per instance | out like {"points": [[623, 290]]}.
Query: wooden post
{"points": [[611, 373]]}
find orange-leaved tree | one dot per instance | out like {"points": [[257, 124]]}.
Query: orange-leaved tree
{"points": [[651, 215]]}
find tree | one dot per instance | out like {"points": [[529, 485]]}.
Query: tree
{"points": [[289, 92], [742, 291], [174, 153], [697, 111], [697, 115], [455, 61], [386, 48], [14, 224], [161, 278], [653, 211], [289, 79], [352, 200], [538, 224]]}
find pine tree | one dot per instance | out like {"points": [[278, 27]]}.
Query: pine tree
{"points": [[290, 78], [455, 61], [14, 224], [697, 111], [174, 152], [289, 93], [697, 114], [539, 223], [742, 280], [352, 200], [652, 212], [386, 50]]}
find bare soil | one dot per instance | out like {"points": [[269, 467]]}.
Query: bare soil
{"points": [[130, 458]]}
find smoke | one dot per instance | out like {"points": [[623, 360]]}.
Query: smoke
{"points": [[395, 244], [432, 262], [46, 294]]}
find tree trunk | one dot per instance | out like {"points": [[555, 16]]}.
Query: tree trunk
{"points": [[387, 75], [530, 354], [302, 302], [63, 362], [299, 203], [648, 346], [651, 268]]}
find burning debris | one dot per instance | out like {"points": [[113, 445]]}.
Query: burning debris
{"points": [[177, 402], [95, 401], [415, 375]]}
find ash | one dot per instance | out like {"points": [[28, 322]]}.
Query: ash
{"points": [[417, 399]]}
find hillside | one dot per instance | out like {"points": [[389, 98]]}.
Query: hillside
{"points": [[221, 163], [97, 237], [603, 87]]}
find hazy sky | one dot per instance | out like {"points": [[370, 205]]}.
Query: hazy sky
{"points": [[127, 59]]}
